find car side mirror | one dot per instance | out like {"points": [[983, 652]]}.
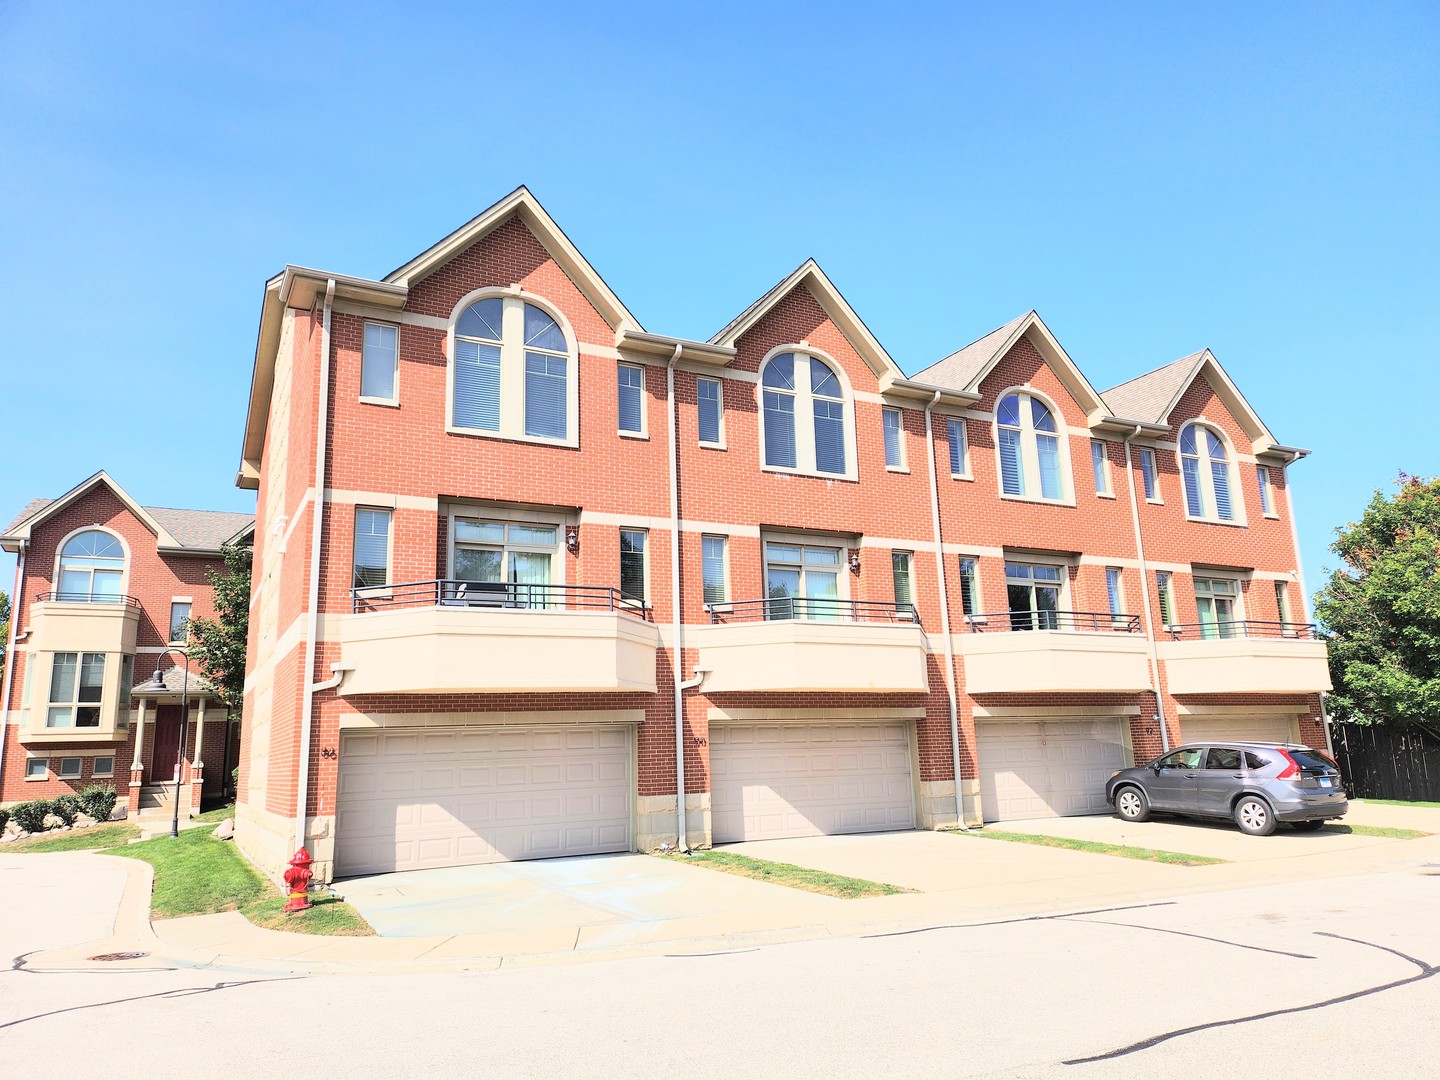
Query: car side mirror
{"points": [[1156, 767]]}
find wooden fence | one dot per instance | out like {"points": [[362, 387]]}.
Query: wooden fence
{"points": [[1388, 763]]}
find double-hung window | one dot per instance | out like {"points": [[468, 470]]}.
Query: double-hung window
{"points": [[179, 617], [507, 563], [1206, 469], [632, 563], [802, 582], [959, 448], [710, 411], [1148, 475], [77, 683], [512, 372], [969, 586], [1215, 599], [92, 566], [1113, 595], [804, 416], [372, 548], [1100, 463], [712, 568], [631, 389], [891, 422], [1028, 437], [904, 588], [379, 362], [1267, 500], [1034, 594]]}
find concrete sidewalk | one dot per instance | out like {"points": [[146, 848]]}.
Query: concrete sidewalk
{"points": [[964, 880]]}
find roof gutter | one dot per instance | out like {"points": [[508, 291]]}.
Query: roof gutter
{"points": [[949, 642], [1145, 592]]}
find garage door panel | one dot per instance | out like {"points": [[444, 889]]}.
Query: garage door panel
{"points": [[1238, 729], [1040, 768]]}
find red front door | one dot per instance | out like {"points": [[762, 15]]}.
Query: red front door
{"points": [[166, 751]]}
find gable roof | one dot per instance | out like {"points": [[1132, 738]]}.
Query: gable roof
{"points": [[522, 204], [809, 275], [186, 532], [968, 367], [1152, 397]]}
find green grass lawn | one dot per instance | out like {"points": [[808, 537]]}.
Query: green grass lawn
{"points": [[219, 814], [794, 877], [1376, 830], [196, 874], [1124, 851], [1399, 802], [95, 837]]}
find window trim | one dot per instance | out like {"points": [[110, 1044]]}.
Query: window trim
{"points": [[1153, 473], [1030, 452], [724, 567], [902, 465], [74, 704], [176, 601], [897, 554], [449, 511], [1267, 491], [719, 444], [644, 598], [1207, 480], [1282, 601], [1062, 587], [393, 401], [373, 590], [644, 431], [836, 541], [512, 373], [964, 429], [1237, 598], [977, 609], [34, 777], [1102, 474], [1165, 598], [805, 418], [108, 774], [56, 576], [62, 774]]}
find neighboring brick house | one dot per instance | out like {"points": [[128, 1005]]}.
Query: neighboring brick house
{"points": [[103, 587], [466, 644]]}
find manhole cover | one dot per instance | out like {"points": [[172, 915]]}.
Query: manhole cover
{"points": [[120, 956]]}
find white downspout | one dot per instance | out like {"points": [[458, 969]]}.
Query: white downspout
{"points": [[307, 700], [337, 676], [944, 611], [682, 840], [1145, 592], [10, 652], [1305, 600]]}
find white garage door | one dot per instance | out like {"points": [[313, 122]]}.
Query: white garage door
{"points": [[1046, 768], [414, 799], [769, 781], [1238, 728]]}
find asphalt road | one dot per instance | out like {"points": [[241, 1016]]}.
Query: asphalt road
{"points": [[1329, 977]]}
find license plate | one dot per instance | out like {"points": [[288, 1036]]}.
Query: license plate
{"points": [[1325, 781]]}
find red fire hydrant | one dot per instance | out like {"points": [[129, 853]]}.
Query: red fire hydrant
{"points": [[298, 878]]}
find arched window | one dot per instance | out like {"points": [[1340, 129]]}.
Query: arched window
{"points": [[92, 566], [804, 414], [1028, 437], [1206, 468], [511, 372]]}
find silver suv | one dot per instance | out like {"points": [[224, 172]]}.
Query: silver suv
{"points": [[1256, 784]]}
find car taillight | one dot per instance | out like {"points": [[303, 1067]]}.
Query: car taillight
{"points": [[1291, 770]]}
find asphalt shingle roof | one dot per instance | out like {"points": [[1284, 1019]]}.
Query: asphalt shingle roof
{"points": [[204, 530], [1148, 397], [959, 369]]}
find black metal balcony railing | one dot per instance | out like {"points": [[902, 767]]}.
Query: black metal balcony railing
{"points": [[813, 609], [506, 595], [115, 599], [1242, 628], [1090, 622]]}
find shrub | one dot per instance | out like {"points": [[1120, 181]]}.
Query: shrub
{"points": [[98, 802], [4, 820], [65, 807], [30, 816]]}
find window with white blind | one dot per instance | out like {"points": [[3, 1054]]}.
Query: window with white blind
{"points": [[969, 585], [372, 548], [712, 567], [891, 422], [1100, 463], [512, 372], [77, 683], [805, 417], [904, 587], [959, 448], [710, 411], [1282, 602], [631, 389], [508, 562], [1267, 500], [802, 581], [1113, 594], [92, 568], [1165, 593], [1031, 447], [1149, 476], [379, 363], [1205, 467], [632, 563]]}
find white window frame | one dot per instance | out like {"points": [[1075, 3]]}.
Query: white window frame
{"points": [[719, 442], [374, 590], [393, 401], [909, 560], [1062, 587], [901, 464], [644, 597], [644, 430], [1104, 487], [44, 773], [1236, 596], [1165, 598], [952, 425], [1209, 507], [805, 414], [977, 609], [63, 772], [177, 601], [58, 576], [96, 773], [1282, 601], [512, 368], [1150, 476], [802, 541], [1115, 597], [1030, 451], [724, 568], [508, 516], [74, 704], [1267, 491]]}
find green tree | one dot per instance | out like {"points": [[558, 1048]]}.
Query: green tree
{"points": [[4, 624], [218, 644], [1383, 608]]}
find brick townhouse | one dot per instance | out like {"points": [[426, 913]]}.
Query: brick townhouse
{"points": [[103, 587], [506, 536]]}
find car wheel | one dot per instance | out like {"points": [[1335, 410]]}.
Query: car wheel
{"points": [[1131, 804], [1254, 816], [1307, 826]]}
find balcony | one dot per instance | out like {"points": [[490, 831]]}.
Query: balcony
{"points": [[793, 644], [447, 636], [1244, 657], [82, 622], [1054, 652]]}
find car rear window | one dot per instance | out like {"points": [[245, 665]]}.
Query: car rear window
{"points": [[1255, 761], [1311, 759]]}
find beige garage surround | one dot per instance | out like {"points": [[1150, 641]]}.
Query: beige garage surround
{"points": [[1049, 764], [796, 773], [413, 798]]}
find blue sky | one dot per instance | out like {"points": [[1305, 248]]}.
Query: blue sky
{"points": [[1258, 179]]}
